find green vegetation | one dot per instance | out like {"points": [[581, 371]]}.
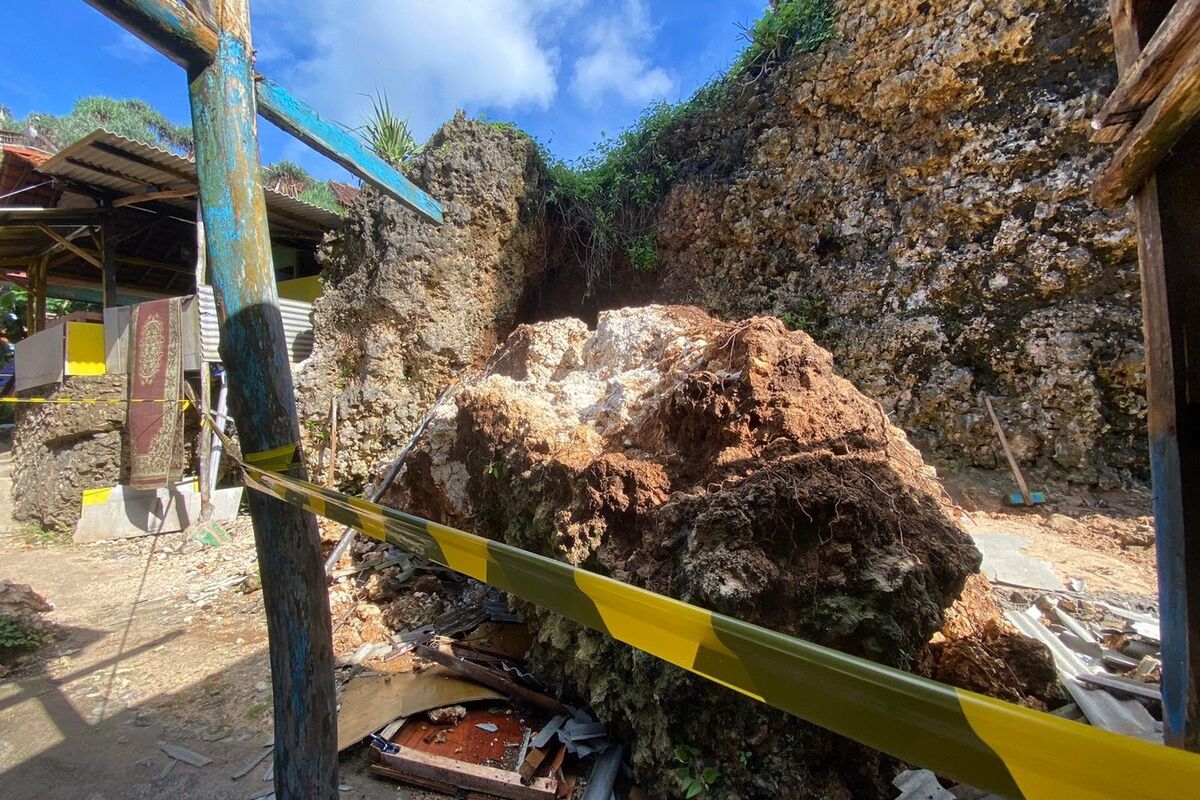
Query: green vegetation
{"points": [[809, 315], [134, 119], [792, 25], [34, 535], [605, 202], [694, 780], [16, 635], [288, 177], [388, 134]]}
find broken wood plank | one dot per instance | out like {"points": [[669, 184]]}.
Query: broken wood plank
{"points": [[372, 701], [1162, 126], [444, 656], [532, 761], [1176, 38], [409, 764], [166, 194]]}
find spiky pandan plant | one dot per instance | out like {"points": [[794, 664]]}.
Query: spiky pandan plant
{"points": [[134, 119], [388, 134]]}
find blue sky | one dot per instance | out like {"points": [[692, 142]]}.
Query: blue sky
{"points": [[564, 70]]}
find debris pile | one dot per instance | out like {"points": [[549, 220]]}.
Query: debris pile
{"points": [[21, 624], [723, 464], [1107, 658]]}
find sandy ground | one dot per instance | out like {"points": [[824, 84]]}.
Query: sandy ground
{"points": [[149, 652], [143, 656]]}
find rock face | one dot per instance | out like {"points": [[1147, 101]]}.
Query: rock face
{"points": [[723, 464], [59, 450], [915, 195], [409, 305]]}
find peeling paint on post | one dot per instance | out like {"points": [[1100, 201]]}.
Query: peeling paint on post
{"points": [[261, 393]]}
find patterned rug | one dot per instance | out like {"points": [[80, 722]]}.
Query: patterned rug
{"points": [[156, 373]]}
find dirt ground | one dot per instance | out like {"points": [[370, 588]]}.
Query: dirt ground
{"points": [[144, 655], [152, 649]]}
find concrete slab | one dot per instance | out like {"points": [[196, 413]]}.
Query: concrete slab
{"points": [[1004, 562]]}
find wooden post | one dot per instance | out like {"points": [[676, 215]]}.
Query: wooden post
{"points": [[332, 468], [204, 454], [108, 261], [261, 394], [39, 294], [1168, 239]]}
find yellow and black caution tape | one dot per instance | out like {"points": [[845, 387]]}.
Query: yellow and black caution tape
{"points": [[92, 401], [987, 743]]}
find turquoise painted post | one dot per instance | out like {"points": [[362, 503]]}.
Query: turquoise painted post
{"points": [[261, 395]]}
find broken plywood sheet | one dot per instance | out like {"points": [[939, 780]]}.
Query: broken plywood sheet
{"points": [[372, 701]]}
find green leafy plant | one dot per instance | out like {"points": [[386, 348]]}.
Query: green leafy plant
{"points": [[605, 202], [694, 778], [17, 635], [809, 315], [388, 134], [790, 25]]}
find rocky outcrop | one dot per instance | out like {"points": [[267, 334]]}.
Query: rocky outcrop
{"points": [[915, 195], [409, 305], [723, 464], [61, 449]]}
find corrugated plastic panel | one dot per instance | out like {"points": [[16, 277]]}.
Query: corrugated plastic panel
{"points": [[297, 327]]}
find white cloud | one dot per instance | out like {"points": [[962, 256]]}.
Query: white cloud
{"points": [[430, 57], [612, 65], [130, 49]]}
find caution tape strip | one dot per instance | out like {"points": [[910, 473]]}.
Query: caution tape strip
{"points": [[986, 743]]}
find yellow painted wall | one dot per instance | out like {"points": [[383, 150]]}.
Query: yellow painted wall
{"points": [[85, 348], [306, 290]]}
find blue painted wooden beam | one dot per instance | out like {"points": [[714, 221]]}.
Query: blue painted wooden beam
{"points": [[182, 34], [168, 26], [301, 120]]}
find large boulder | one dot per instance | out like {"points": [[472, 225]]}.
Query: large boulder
{"points": [[407, 304], [723, 464]]}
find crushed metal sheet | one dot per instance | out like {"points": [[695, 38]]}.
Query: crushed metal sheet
{"points": [[920, 784], [1101, 708], [185, 755]]}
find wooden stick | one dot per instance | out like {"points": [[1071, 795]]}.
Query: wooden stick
{"points": [[89, 256], [443, 655], [1012, 461], [333, 422], [168, 194]]}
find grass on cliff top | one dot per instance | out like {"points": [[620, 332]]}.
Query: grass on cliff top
{"points": [[605, 201]]}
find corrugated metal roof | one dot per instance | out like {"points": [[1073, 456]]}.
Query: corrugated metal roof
{"points": [[127, 166]]}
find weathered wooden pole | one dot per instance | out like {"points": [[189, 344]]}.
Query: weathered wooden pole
{"points": [[1168, 240], [108, 261], [263, 405]]}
